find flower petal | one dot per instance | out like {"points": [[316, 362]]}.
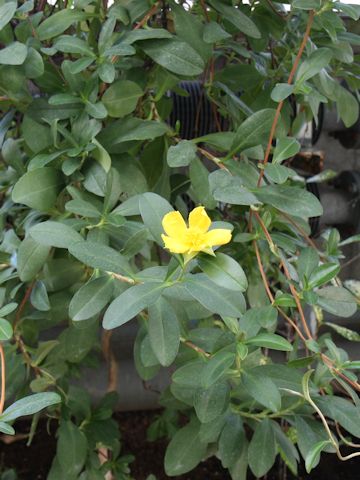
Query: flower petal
{"points": [[199, 220], [174, 245], [174, 224], [218, 236]]}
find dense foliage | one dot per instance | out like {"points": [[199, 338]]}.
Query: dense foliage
{"points": [[90, 166]]}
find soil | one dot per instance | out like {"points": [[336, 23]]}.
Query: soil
{"points": [[33, 463]]}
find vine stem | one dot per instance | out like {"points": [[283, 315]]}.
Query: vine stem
{"points": [[288, 276], [149, 14], [289, 82], [3, 378], [328, 362], [22, 305]]}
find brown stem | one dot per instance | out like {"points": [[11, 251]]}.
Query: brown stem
{"points": [[289, 81], [288, 276], [270, 295], [3, 378], [206, 13], [195, 347], [149, 14], [22, 305]]}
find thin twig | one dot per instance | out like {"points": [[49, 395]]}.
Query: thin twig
{"points": [[149, 14], [289, 81], [3, 378]]}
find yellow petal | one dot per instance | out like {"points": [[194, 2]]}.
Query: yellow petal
{"points": [[198, 219], [174, 224], [174, 245], [218, 236]]}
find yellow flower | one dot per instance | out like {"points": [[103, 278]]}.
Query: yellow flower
{"points": [[194, 238]]}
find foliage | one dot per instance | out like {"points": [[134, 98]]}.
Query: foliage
{"points": [[91, 166]]}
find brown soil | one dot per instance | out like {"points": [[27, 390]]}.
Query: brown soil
{"points": [[33, 463]]}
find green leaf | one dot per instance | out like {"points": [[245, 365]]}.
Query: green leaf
{"points": [[257, 317], [232, 441], [344, 332], [96, 110], [229, 189], [127, 305], [130, 129], [13, 54], [30, 405], [185, 450], [121, 98], [199, 176], [7, 11], [98, 255], [7, 309], [153, 208], [101, 155], [313, 64], [262, 449], [292, 200], [34, 64], [164, 331], [337, 300], [306, 4], [83, 208], [4, 427], [281, 91], [286, 147], [213, 297], [349, 240], [39, 297], [216, 368], [182, 154], [347, 106], [71, 44], [312, 458], [309, 433], [307, 262], [277, 173], [322, 274], [253, 131], [270, 340], [175, 55], [148, 34], [209, 403], [55, 234], [91, 298], [237, 18], [6, 330], [31, 257], [57, 23], [263, 389], [213, 33], [224, 271], [189, 374], [189, 28], [71, 449], [38, 189], [342, 411]]}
